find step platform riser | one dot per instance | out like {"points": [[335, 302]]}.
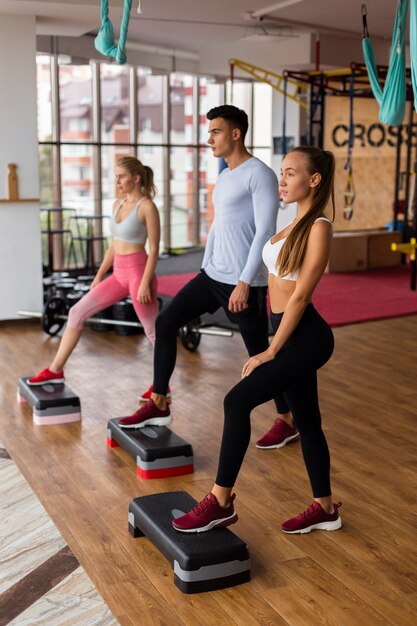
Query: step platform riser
{"points": [[111, 443], [158, 452], [68, 418], [51, 404], [181, 470], [201, 562]]}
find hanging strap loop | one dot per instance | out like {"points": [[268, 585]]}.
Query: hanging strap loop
{"points": [[349, 193], [351, 122], [364, 13], [104, 42]]}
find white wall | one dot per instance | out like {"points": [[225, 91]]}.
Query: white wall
{"points": [[268, 53], [20, 238]]}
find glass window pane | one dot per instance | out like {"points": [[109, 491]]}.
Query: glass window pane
{"points": [[209, 170], [211, 95], [46, 194], [77, 178], [181, 93], [46, 175], [182, 200], [43, 85], [242, 98], [264, 154], [76, 102], [262, 114], [150, 107], [114, 82], [153, 156]]}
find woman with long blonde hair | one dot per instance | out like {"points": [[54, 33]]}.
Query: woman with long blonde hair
{"points": [[135, 219]]}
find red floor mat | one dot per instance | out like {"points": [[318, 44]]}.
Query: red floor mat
{"points": [[354, 297], [345, 298]]}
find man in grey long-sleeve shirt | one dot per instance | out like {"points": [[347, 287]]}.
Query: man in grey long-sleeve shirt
{"points": [[246, 205], [232, 276]]}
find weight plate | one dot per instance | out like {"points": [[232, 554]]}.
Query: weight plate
{"points": [[50, 321]]}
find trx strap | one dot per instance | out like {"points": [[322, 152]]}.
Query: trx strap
{"points": [[284, 117], [232, 78], [349, 193], [392, 98], [104, 42], [413, 48]]}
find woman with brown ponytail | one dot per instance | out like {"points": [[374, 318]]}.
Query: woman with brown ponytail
{"points": [[135, 219], [296, 259]]}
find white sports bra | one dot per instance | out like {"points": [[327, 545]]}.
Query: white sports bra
{"points": [[271, 251]]}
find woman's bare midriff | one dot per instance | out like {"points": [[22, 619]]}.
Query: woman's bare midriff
{"points": [[122, 247], [280, 291]]}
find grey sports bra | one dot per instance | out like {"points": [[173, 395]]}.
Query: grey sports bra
{"points": [[271, 251], [131, 229]]}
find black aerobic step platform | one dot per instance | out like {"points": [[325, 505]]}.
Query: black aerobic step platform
{"points": [[51, 404], [201, 561], [158, 451]]}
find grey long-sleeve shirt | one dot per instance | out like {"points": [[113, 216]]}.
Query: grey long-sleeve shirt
{"points": [[245, 214]]}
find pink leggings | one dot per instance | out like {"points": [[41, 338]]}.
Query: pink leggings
{"points": [[127, 273]]}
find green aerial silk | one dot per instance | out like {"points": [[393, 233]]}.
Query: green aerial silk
{"points": [[392, 99], [104, 42], [413, 48]]}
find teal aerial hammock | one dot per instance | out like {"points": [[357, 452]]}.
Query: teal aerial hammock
{"points": [[104, 42], [392, 98]]}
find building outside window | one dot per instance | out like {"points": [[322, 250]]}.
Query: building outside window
{"points": [[185, 170]]}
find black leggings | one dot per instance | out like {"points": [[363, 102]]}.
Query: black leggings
{"points": [[205, 295], [293, 372]]}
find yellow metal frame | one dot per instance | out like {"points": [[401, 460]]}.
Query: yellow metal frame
{"points": [[276, 81], [342, 71], [406, 248]]}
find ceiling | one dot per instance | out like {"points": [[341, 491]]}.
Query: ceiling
{"points": [[190, 24]]}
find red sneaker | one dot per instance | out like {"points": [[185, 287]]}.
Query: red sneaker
{"points": [[278, 436], [314, 518], [46, 376], [206, 515], [147, 394], [147, 415]]}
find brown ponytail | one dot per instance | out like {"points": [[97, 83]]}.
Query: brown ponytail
{"points": [[293, 251], [136, 168]]}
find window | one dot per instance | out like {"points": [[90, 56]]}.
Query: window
{"points": [[114, 84], [146, 123], [178, 143], [76, 97], [43, 84], [182, 101], [211, 95], [150, 107]]}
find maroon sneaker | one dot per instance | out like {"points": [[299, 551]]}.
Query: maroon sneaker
{"points": [[278, 436], [314, 518], [206, 515], [148, 415], [46, 376], [147, 394]]}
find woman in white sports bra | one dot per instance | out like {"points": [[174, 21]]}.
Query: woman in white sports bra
{"points": [[303, 342], [135, 219]]}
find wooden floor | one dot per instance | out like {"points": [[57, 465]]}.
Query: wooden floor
{"points": [[364, 574]]}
